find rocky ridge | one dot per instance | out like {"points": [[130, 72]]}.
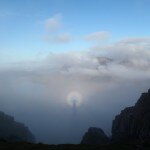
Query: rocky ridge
{"points": [[13, 131], [133, 123], [95, 136]]}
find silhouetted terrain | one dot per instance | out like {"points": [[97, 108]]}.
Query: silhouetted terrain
{"points": [[95, 136], [11, 130], [131, 126], [29, 146], [133, 123]]}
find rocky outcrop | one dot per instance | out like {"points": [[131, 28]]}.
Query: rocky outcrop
{"points": [[11, 130], [95, 136], [133, 123]]}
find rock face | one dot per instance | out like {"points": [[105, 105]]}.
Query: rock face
{"points": [[11, 130], [95, 136], [133, 123]]}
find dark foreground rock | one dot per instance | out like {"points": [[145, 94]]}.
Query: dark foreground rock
{"points": [[12, 131], [133, 123], [30, 146], [95, 136]]}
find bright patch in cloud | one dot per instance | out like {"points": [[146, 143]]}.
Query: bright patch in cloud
{"points": [[74, 99]]}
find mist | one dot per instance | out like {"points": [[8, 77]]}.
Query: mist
{"points": [[108, 78]]}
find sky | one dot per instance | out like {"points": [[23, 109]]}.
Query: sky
{"points": [[55, 51]]}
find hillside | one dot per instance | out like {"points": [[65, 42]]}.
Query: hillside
{"points": [[133, 123], [11, 130]]}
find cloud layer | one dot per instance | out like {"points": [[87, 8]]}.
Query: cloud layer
{"points": [[109, 78]]}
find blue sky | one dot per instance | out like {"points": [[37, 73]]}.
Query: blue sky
{"points": [[23, 31]]}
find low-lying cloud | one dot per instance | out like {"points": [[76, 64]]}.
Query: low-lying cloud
{"points": [[109, 78]]}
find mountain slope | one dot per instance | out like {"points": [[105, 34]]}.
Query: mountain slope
{"points": [[133, 123], [11, 130]]}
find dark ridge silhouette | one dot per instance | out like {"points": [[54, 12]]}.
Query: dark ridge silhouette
{"points": [[131, 126], [95, 136], [133, 123], [31, 146], [13, 131]]}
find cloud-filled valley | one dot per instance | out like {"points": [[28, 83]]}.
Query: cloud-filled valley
{"points": [[109, 77]]}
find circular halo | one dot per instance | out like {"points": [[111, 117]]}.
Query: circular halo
{"points": [[74, 97]]}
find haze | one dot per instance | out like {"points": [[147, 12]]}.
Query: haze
{"points": [[49, 49]]}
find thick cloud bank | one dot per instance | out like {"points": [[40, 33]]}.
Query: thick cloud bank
{"points": [[107, 77]]}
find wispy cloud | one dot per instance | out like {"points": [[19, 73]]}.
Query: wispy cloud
{"points": [[54, 23], [136, 40], [55, 32], [61, 38], [98, 36]]}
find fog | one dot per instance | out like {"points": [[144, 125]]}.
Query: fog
{"points": [[108, 78]]}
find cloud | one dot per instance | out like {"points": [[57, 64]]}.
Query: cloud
{"points": [[129, 55], [55, 32], [109, 78], [136, 40], [126, 60], [98, 36], [61, 38], [53, 23], [132, 53]]}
